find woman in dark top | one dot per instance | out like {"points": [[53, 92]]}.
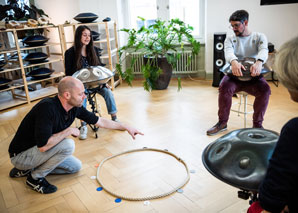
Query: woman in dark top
{"points": [[84, 54], [279, 190]]}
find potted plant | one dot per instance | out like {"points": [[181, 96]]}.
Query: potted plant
{"points": [[161, 44]]}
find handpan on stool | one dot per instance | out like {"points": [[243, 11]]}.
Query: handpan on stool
{"points": [[93, 76], [241, 157], [93, 79]]}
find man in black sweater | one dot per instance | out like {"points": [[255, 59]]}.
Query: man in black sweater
{"points": [[40, 145]]}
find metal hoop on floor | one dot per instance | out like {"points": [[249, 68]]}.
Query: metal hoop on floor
{"points": [[185, 181]]}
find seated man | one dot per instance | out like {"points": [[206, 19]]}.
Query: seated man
{"points": [[279, 190], [243, 44], [40, 145]]}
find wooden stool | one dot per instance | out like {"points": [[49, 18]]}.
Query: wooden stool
{"points": [[243, 95]]}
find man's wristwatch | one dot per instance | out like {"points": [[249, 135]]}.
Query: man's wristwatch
{"points": [[260, 60]]}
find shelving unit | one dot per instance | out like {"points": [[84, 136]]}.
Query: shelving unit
{"points": [[108, 42], [18, 92]]}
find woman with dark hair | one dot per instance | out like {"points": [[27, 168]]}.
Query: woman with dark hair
{"points": [[84, 54]]}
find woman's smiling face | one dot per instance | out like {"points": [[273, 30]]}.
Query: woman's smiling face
{"points": [[86, 36]]}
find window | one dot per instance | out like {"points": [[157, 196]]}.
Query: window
{"points": [[143, 8], [189, 11]]}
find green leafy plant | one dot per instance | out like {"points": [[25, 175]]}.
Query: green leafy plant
{"points": [[162, 39]]}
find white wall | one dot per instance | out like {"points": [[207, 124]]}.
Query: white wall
{"points": [[278, 22], [102, 8], [59, 11]]}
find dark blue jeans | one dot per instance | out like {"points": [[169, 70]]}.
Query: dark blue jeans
{"points": [[258, 88]]}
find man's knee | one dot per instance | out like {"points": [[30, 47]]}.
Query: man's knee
{"points": [[67, 145], [264, 90], [77, 165], [267, 90], [106, 93], [225, 88]]}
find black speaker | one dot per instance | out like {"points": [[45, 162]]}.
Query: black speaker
{"points": [[218, 58]]}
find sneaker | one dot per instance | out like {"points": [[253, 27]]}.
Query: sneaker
{"points": [[217, 128], [114, 118], [14, 173], [83, 132], [41, 185]]}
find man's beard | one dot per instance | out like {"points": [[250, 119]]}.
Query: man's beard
{"points": [[239, 33], [75, 104]]}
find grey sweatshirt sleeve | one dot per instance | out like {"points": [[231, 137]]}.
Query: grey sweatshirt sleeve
{"points": [[262, 47], [229, 49]]}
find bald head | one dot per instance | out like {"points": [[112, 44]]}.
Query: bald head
{"points": [[68, 84]]}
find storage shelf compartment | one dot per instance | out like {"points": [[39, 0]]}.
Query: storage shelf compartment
{"points": [[89, 24], [34, 28], [10, 69], [44, 92], [53, 76], [11, 50], [48, 44], [8, 101], [106, 56], [98, 41], [104, 40], [51, 60], [20, 90]]}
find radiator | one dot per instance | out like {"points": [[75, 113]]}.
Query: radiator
{"points": [[181, 67]]}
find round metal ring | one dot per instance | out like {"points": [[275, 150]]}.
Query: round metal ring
{"points": [[148, 197]]}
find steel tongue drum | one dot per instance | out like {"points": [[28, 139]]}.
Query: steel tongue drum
{"points": [[94, 76]]}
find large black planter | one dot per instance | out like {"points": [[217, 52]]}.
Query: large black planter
{"points": [[162, 82]]}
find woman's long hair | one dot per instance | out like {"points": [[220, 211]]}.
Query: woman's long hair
{"points": [[92, 57]]}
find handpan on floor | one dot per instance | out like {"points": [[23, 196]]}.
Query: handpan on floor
{"points": [[241, 157]]}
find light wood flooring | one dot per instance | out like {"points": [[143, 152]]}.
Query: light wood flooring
{"points": [[176, 121]]}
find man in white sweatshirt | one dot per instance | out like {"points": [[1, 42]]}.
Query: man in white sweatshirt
{"points": [[243, 43]]}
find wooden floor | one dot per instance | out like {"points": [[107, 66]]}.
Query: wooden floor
{"points": [[176, 121]]}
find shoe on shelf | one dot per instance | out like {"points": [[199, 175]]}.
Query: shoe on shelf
{"points": [[14, 173], [83, 132], [41, 185], [217, 128]]}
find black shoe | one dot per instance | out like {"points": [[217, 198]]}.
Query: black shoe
{"points": [[41, 185], [14, 173]]}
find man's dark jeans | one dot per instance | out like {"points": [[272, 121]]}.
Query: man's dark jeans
{"points": [[258, 88]]}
